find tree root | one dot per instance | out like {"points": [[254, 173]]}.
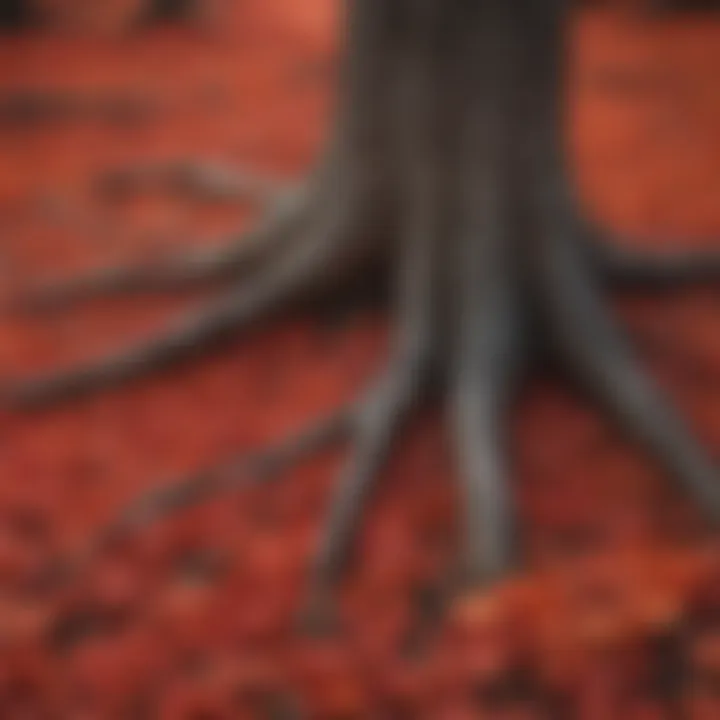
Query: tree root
{"points": [[257, 467], [625, 267], [205, 180], [229, 258]]}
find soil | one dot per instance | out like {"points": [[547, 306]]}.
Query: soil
{"points": [[617, 612]]}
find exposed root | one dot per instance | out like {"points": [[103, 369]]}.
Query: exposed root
{"points": [[262, 466], [626, 267], [482, 382], [319, 259], [189, 336], [205, 180], [596, 352], [231, 258], [376, 425]]}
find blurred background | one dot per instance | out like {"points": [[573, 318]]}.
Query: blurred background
{"points": [[614, 616]]}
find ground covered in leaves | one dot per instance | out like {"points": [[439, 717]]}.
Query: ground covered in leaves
{"points": [[618, 612]]}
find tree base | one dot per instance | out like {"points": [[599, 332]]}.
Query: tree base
{"points": [[469, 220]]}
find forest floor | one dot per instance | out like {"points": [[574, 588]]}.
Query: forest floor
{"points": [[617, 613]]}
